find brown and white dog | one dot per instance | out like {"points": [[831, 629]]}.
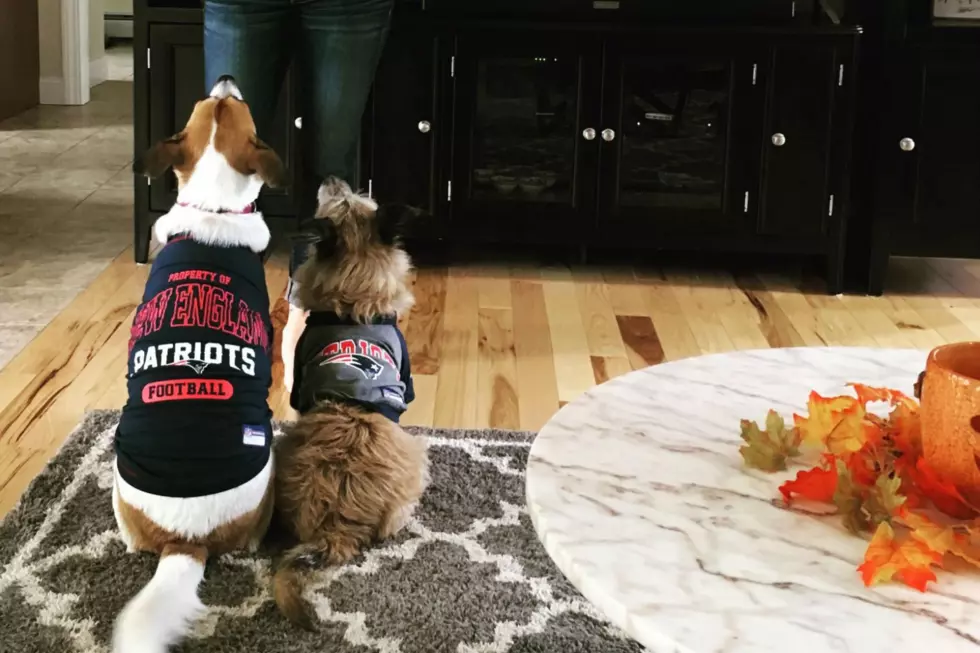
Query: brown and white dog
{"points": [[194, 466]]}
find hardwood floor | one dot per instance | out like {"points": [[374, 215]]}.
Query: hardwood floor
{"points": [[499, 346]]}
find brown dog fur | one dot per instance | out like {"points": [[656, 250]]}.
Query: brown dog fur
{"points": [[346, 478]]}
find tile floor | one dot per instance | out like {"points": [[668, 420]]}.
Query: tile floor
{"points": [[119, 54], [66, 201]]}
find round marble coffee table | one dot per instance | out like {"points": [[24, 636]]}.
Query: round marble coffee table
{"points": [[638, 493]]}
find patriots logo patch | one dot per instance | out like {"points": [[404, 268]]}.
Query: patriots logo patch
{"points": [[197, 365], [370, 368]]}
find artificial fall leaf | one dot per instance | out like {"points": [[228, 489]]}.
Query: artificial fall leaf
{"points": [[904, 429], [939, 538], [823, 415], [865, 465], [943, 494], [770, 449], [849, 498], [817, 484], [852, 432], [866, 394], [885, 501], [909, 561]]}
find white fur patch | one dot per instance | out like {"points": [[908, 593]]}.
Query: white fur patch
{"points": [[215, 185], [198, 516], [162, 613], [221, 229]]}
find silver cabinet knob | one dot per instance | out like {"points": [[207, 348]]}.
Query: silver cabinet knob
{"points": [[778, 139], [424, 126], [907, 144], [298, 122], [608, 135], [588, 134]]}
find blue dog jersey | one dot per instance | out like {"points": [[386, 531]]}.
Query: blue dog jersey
{"points": [[197, 420], [338, 359]]}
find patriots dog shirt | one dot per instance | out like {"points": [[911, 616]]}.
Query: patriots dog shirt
{"points": [[339, 359], [197, 420]]}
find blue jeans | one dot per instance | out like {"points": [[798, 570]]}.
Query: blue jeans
{"points": [[335, 43]]}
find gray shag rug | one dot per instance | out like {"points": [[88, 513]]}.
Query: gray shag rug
{"points": [[466, 576]]}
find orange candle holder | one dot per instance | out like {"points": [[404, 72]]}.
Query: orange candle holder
{"points": [[950, 415]]}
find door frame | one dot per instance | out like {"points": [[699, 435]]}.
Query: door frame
{"points": [[72, 88]]}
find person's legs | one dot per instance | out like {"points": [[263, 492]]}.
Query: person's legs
{"points": [[250, 40], [340, 44]]}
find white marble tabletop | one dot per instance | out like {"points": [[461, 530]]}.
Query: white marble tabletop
{"points": [[638, 493]]}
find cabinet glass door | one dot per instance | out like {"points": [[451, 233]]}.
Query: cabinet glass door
{"points": [[675, 130], [524, 129], [674, 134], [522, 111]]}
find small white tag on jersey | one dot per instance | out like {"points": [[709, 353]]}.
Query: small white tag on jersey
{"points": [[393, 395], [253, 436]]}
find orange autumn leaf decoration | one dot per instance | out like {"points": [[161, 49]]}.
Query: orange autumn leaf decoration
{"points": [[824, 414], [908, 560], [815, 484], [872, 469]]}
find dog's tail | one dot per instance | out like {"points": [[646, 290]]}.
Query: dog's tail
{"points": [[287, 584], [161, 614]]}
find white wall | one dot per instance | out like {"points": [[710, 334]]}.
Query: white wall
{"points": [[64, 77], [98, 70]]}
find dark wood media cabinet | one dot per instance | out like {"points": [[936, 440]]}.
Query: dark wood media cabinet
{"points": [[642, 127]]}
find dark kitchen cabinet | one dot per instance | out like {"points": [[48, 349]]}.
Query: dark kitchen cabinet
{"points": [[522, 169], [408, 127], [679, 139], [719, 140], [928, 195]]}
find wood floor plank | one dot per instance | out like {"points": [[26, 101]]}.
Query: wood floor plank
{"points": [[643, 346], [739, 317], [606, 369], [869, 314], [421, 412], [625, 296], [775, 326], [570, 345], [598, 319], [424, 330], [493, 286], [497, 381], [676, 336], [456, 391], [535, 356], [697, 303], [839, 326], [81, 342]]}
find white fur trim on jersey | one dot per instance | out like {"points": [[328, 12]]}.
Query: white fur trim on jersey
{"points": [[162, 613], [221, 229], [192, 517]]}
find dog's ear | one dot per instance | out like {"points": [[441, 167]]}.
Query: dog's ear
{"points": [[326, 233], [394, 221], [161, 157], [267, 165]]}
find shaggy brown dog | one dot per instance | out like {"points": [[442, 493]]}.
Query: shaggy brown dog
{"points": [[347, 475]]}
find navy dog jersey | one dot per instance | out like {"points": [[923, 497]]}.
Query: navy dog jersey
{"points": [[338, 359], [197, 420]]}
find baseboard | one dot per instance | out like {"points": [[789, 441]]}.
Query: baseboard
{"points": [[51, 90], [119, 26], [98, 71]]}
